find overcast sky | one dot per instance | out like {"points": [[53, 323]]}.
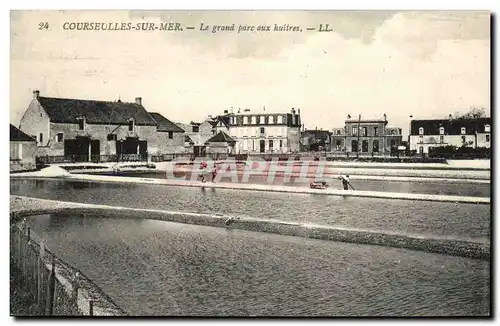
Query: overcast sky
{"points": [[427, 64]]}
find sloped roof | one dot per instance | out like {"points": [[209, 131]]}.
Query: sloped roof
{"points": [[221, 137], [18, 135], [451, 127], [95, 112], [164, 124], [219, 118]]}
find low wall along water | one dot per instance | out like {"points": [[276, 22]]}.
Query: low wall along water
{"points": [[57, 288]]}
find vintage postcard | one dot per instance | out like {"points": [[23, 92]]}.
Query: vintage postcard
{"points": [[250, 163]]}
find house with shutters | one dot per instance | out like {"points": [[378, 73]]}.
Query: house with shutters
{"points": [[22, 150], [170, 136], [428, 134], [84, 130]]}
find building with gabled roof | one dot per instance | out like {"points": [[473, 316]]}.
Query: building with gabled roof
{"points": [[22, 150], [83, 130], [170, 136], [221, 143]]}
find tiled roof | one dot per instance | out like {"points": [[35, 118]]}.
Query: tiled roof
{"points": [[164, 124], [18, 135], [95, 112], [451, 127], [221, 137]]}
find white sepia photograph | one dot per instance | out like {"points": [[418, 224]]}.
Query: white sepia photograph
{"points": [[259, 163]]}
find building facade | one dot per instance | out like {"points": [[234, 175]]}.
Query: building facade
{"points": [[85, 129], [315, 140], [427, 134], [366, 137], [263, 132], [22, 150], [170, 136]]}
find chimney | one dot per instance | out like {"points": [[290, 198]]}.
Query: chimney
{"points": [[226, 111], [36, 94], [138, 100], [298, 111]]}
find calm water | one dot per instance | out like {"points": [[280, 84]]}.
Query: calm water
{"points": [[436, 188], [162, 268], [435, 218]]}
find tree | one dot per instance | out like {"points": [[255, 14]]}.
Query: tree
{"points": [[473, 113]]}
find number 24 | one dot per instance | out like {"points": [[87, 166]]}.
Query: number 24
{"points": [[43, 25]]}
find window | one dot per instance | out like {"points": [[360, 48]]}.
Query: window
{"points": [[171, 135], [462, 130], [421, 149], [59, 137], [354, 146], [112, 137], [364, 146], [245, 120], [271, 119], [262, 119], [81, 124], [337, 132], [421, 139], [354, 131], [487, 138], [375, 130], [463, 139], [365, 131], [271, 144], [421, 131], [338, 145], [262, 130], [41, 139], [281, 143], [131, 125], [196, 128], [280, 119], [486, 128], [441, 130], [441, 139], [375, 146], [254, 120]]}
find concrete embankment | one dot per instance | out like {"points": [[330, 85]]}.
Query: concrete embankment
{"points": [[286, 189], [53, 287], [25, 206]]}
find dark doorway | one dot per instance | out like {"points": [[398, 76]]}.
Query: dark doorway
{"points": [[95, 150], [262, 146], [143, 149], [199, 151], [364, 146], [77, 150], [354, 146]]}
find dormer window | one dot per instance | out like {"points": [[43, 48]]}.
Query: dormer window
{"points": [[245, 120], [421, 130], [441, 130], [462, 130], [81, 123], [254, 120], [271, 120], [486, 128], [280, 119], [262, 119], [131, 125]]}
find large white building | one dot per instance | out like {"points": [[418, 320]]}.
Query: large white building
{"points": [[263, 132], [427, 134]]}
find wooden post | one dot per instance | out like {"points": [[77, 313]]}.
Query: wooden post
{"points": [[40, 271], [51, 289], [91, 307]]}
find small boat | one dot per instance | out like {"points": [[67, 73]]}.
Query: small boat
{"points": [[318, 185]]}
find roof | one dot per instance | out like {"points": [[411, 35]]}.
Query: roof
{"points": [[164, 124], [95, 112], [221, 137], [451, 127], [366, 121], [224, 119], [18, 135]]}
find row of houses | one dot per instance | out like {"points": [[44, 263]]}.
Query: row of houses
{"points": [[81, 130], [374, 136]]}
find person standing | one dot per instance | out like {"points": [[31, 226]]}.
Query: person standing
{"points": [[214, 173]]}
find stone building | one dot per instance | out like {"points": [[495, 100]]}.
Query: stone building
{"points": [[427, 134], [196, 136], [86, 129], [316, 140], [22, 150], [262, 132], [170, 136], [366, 137]]}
